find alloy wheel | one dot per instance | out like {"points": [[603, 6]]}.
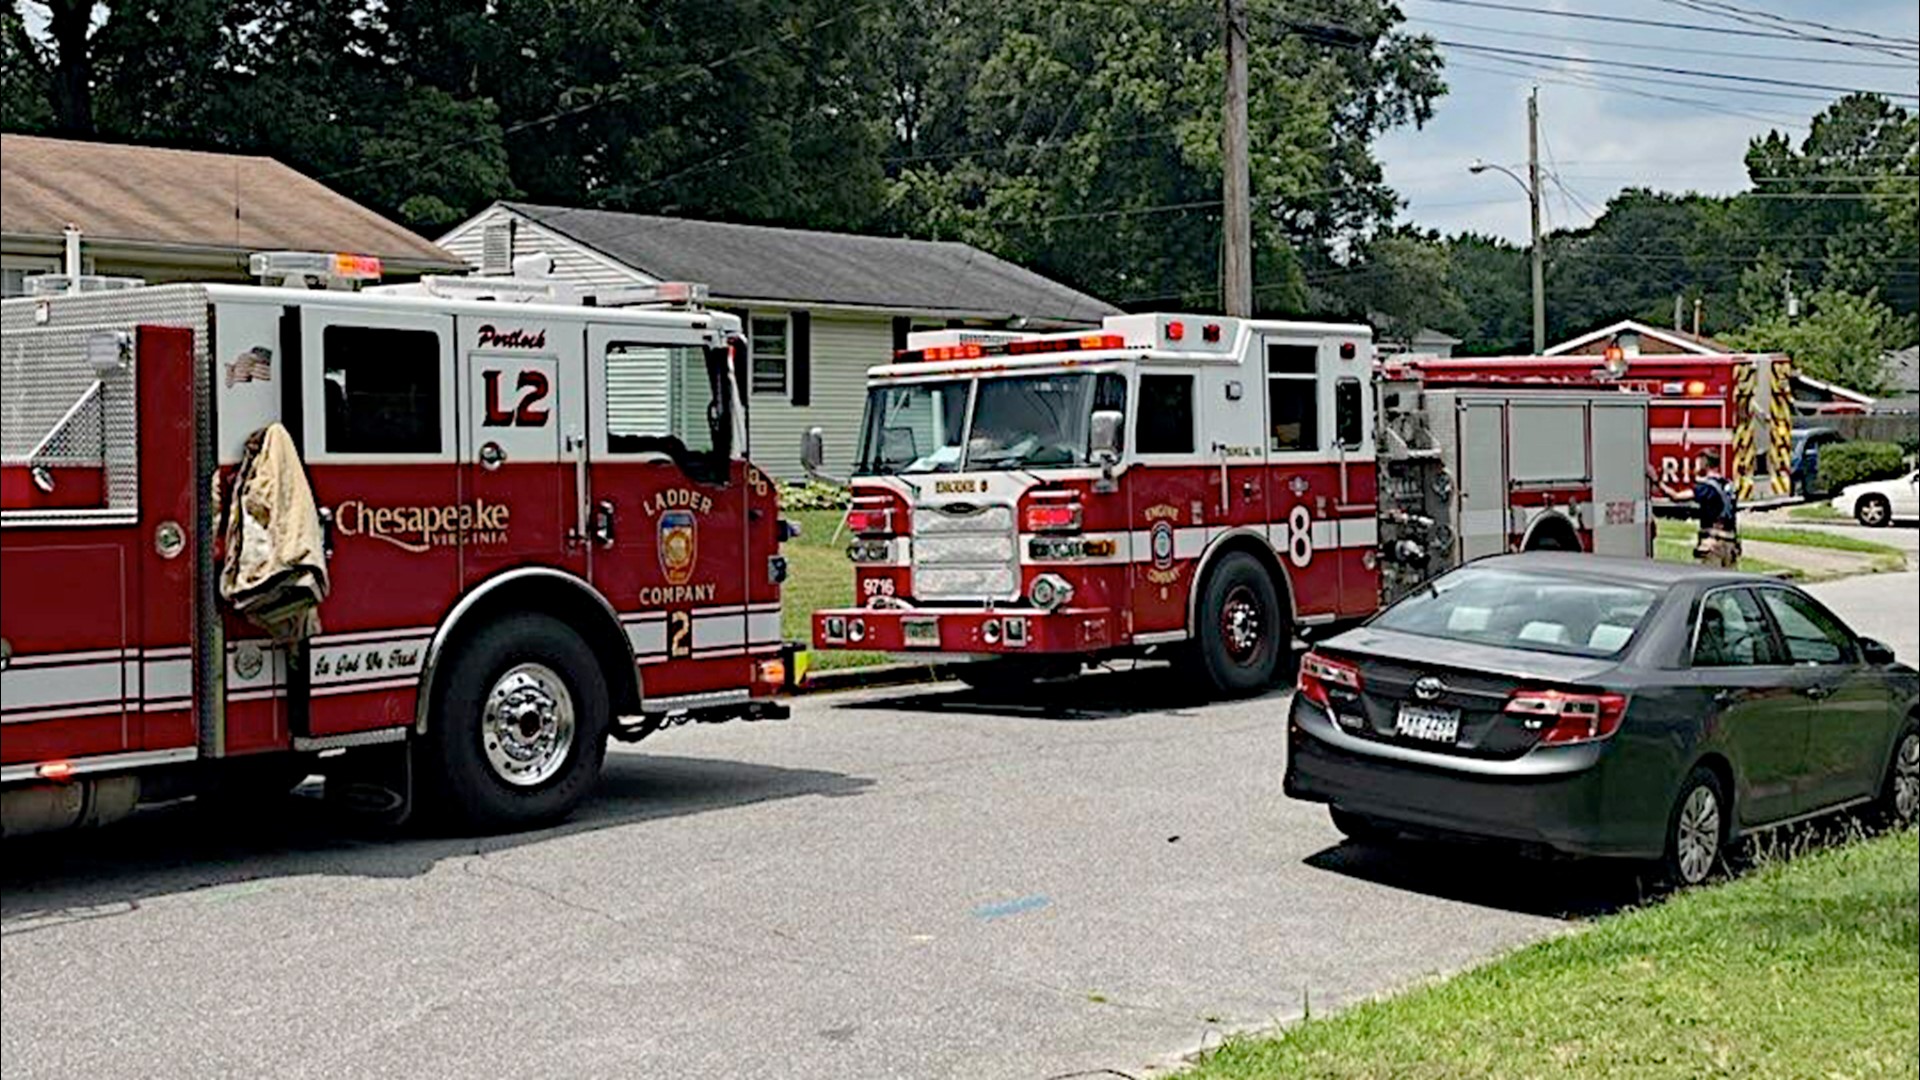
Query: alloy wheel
{"points": [[1906, 777], [1697, 838], [1240, 624], [528, 726]]}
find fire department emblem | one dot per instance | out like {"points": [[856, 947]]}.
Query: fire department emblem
{"points": [[1162, 541], [1297, 485], [679, 545]]}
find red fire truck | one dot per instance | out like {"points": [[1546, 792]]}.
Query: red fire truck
{"points": [[543, 531], [1201, 487], [1740, 406]]}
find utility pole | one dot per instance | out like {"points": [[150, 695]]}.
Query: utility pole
{"points": [[1533, 201], [1237, 243]]}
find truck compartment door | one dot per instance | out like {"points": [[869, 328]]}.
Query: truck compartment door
{"points": [[1620, 505]]}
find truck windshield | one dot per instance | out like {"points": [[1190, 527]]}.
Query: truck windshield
{"points": [[1018, 422]]}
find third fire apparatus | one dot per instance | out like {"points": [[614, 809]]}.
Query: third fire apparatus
{"points": [[543, 531], [1202, 487]]}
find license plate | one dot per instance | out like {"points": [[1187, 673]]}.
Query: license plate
{"points": [[1427, 722], [920, 633]]}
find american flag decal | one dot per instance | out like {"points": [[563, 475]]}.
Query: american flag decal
{"points": [[254, 365]]}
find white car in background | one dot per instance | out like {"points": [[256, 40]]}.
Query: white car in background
{"points": [[1882, 501]]}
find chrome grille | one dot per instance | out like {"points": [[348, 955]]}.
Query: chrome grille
{"points": [[967, 555]]}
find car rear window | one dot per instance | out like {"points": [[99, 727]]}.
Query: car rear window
{"points": [[1520, 610]]}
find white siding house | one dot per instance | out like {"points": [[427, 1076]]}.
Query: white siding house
{"points": [[819, 308]]}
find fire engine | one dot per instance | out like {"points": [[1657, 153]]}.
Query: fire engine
{"points": [[1739, 405], [1199, 487], [541, 523]]}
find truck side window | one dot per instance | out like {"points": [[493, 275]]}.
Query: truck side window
{"points": [[656, 392], [1348, 425], [1293, 398], [1110, 393], [1166, 414], [382, 389]]}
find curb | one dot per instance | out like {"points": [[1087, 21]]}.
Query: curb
{"points": [[871, 675]]}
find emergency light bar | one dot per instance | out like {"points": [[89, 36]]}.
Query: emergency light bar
{"points": [[333, 270], [507, 289], [669, 293], [972, 350]]}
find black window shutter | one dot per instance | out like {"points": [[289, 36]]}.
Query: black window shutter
{"points": [[901, 326], [800, 357]]}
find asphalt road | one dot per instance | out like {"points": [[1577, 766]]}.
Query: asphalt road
{"points": [[892, 884]]}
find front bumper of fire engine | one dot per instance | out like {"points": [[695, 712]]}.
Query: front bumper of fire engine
{"points": [[968, 630]]}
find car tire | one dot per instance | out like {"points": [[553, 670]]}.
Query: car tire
{"points": [[1359, 828], [1243, 633], [1899, 802], [1873, 511], [519, 728], [1696, 842]]}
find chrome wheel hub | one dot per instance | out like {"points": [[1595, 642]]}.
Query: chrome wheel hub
{"points": [[1906, 778], [1698, 842], [528, 727], [1240, 623]]}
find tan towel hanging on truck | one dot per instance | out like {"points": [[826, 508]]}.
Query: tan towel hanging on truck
{"points": [[276, 567]]}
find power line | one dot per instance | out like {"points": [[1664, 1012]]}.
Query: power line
{"points": [[1886, 45], [1585, 81], [1689, 72], [1649, 46], [1621, 20], [1771, 17]]}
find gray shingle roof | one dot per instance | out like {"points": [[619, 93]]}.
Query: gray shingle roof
{"points": [[219, 202], [800, 266]]}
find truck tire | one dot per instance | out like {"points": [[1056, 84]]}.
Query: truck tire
{"points": [[1242, 632], [518, 730]]}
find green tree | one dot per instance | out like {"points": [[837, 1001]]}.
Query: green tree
{"points": [[1084, 138], [1842, 339]]}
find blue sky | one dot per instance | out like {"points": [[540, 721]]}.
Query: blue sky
{"points": [[1598, 139]]}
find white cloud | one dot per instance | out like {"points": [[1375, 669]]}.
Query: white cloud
{"points": [[1600, 140]]}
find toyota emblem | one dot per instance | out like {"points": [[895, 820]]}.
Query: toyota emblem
{"points": [[1428, 688]]}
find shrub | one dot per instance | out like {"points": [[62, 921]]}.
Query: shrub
{"points": [[1859, 462], [813, 495]]}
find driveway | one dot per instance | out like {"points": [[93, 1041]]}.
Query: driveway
{"points": [[893, 884]]}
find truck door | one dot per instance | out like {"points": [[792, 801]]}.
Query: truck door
{"points": [[1173, 491], [1619, 511], [378, 408], [1480, 442], [522, 446], [1304, 482], [97, 563], [670, 509]]}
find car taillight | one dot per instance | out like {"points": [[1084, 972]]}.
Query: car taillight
{"points": [[870, 522], [1564, 717], [1053, 517], [1318, 672]]}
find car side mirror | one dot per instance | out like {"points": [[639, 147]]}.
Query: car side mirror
{"points": [[1103, 444], [813, 455], [1875, 652], [1104, 441]]}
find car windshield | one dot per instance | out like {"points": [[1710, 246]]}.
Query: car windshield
{"points": [[1524, 610], [1018, 422]]}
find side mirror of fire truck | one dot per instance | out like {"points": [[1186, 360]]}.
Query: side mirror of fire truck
{"points": [[1103, 443], [813, 455]]}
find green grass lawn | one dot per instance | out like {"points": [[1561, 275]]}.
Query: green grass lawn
{"points": [[1819, 511], [818, 576], [1673, 542], [1801, 968]]}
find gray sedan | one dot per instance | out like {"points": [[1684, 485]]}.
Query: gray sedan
{"points": [[1603, 707]]}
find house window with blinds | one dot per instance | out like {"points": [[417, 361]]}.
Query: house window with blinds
{"points": [[656, 392], [769, 343]]}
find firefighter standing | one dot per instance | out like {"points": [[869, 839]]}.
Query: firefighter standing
{"points": [[1719, 540]]}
